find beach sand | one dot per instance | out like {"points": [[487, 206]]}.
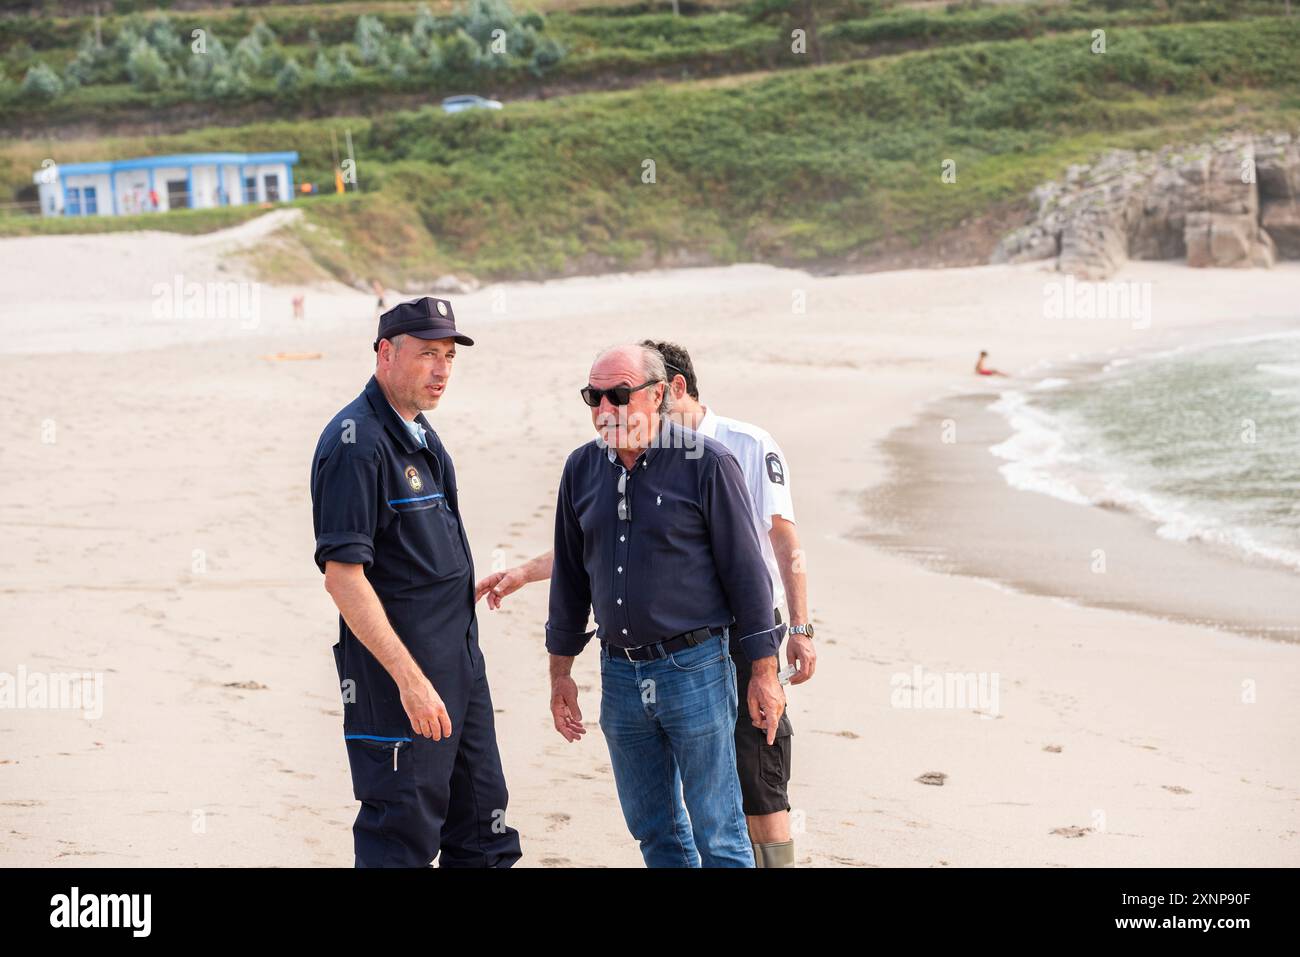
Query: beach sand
{"points": [[157, 529]]}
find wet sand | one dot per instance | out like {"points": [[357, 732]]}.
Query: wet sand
{"points": [[947, 505]]}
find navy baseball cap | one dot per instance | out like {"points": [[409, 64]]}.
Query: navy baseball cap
{"points": [[426, 318]]}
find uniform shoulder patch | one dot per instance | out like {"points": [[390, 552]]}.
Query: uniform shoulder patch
{"points": [[775, 469]]}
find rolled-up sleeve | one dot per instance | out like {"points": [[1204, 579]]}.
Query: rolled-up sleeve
{"points": [[570, 607], [738, 557], [345, 506]]}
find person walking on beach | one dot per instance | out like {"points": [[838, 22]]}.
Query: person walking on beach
{"points": [[417, 713], [763, 768]]}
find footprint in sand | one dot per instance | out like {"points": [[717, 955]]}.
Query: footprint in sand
{"points": [[935, 778], [557, 820], [555, 862], [1052, 748], [1176, 788]]}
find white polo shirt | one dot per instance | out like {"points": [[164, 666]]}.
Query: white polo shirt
{"points": [[766, 475]]}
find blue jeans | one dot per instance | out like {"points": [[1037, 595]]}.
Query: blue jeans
{"points": [[670, 725]]}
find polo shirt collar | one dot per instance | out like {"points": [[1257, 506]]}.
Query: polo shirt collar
{"points": [[396, 425], [708, 424]]}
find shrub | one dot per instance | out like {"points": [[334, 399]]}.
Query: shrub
{"points": [[42, 83], [460, 53], [344, 71], [248, 55], [323, 70], [370, 36], [289, 78], [146, 67]]}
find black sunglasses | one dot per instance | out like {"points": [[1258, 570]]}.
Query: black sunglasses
{"points": [[624, 504], [618, 395]]}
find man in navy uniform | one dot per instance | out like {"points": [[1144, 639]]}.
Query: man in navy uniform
{"points": [[417, 715]]}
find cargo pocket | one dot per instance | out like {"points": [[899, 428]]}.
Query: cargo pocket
{"points": [[774, 761], [381, 766]]}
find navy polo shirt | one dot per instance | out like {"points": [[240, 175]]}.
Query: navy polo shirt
{"points": [[382, 500], [686, 557]]}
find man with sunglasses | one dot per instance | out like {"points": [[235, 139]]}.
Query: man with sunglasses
{"points": [[763, 765], [653, 534]]}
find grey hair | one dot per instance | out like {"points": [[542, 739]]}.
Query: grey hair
{"points": [[652, 367], [397, 341]]}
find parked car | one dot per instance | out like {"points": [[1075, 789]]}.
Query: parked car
{"points": [[468, 101]]}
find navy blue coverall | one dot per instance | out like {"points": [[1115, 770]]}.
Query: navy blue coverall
{"points": [[382, 500]]}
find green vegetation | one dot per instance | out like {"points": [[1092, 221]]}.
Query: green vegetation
{"points": [[825, 165], [171, 61], [317, 59]]}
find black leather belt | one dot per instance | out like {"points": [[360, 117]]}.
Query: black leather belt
{"points": [[662, 649]]}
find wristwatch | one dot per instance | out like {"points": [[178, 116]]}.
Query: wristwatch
{"points": [[801, 629]]}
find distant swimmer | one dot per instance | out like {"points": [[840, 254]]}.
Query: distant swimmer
{"points": [[980, 368]]}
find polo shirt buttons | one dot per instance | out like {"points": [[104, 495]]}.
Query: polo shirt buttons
{"points": [[622, 538], [625, 631], [620, 569], [618, 601]]}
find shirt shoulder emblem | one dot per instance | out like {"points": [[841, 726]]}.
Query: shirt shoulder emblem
{"points": [[775, 470]]}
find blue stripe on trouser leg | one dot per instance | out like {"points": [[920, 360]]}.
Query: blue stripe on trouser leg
{"points": [[670, 727], [445, 796]]}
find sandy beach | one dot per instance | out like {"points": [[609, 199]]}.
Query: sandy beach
{"points": [[157, 530]]}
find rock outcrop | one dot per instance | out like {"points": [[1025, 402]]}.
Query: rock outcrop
{"points": [[1235, 202]]}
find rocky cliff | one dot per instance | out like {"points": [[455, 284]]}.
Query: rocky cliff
{"points": [[1234, 202]]}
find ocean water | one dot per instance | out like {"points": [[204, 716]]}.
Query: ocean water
{"points": [[1203, 441]]}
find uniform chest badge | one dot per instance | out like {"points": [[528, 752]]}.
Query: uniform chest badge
{"points": [[413, 476]]}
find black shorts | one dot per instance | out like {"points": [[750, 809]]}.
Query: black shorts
{"points": [[764, 768]]}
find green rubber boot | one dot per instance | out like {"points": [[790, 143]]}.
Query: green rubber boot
{"points": [[774, 855]]}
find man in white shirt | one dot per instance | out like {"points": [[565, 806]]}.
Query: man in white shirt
{"points": [[763, 768]]}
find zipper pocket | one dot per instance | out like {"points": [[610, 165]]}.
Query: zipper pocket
{"points": [[378, 741]]}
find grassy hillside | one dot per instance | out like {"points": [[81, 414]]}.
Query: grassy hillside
{"points": [[324, 59], [829, 165]]}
